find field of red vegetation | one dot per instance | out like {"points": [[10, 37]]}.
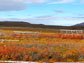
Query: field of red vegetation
{"points": [[47, 47]]}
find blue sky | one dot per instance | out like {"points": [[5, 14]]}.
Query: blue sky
{"points": [[48, 12]]}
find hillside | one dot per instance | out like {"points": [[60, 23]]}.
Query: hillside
{"points": [[80, 24], [26, 24]]}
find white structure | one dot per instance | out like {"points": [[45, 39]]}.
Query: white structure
{"points": [[28, 34], [23, 32], [71, 31]]}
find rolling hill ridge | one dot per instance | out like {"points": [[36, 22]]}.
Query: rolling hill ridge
{"points": [[26, 24]]}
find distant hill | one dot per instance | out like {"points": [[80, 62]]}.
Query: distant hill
{"points": [[80, 24], [26, 24]]}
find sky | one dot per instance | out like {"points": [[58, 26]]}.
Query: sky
{"points": [[47, 12]]}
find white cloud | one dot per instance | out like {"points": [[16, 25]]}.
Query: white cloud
{"points": [[59, 11], [61, 1], [15, 5], [48, 20], [37, 1], [12, 5]]}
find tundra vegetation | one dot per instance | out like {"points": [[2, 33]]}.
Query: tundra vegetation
{"points": [[44, 47]]}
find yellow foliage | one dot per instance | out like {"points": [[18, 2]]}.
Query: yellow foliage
{"points": [[40, 62], [69, 60]]}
